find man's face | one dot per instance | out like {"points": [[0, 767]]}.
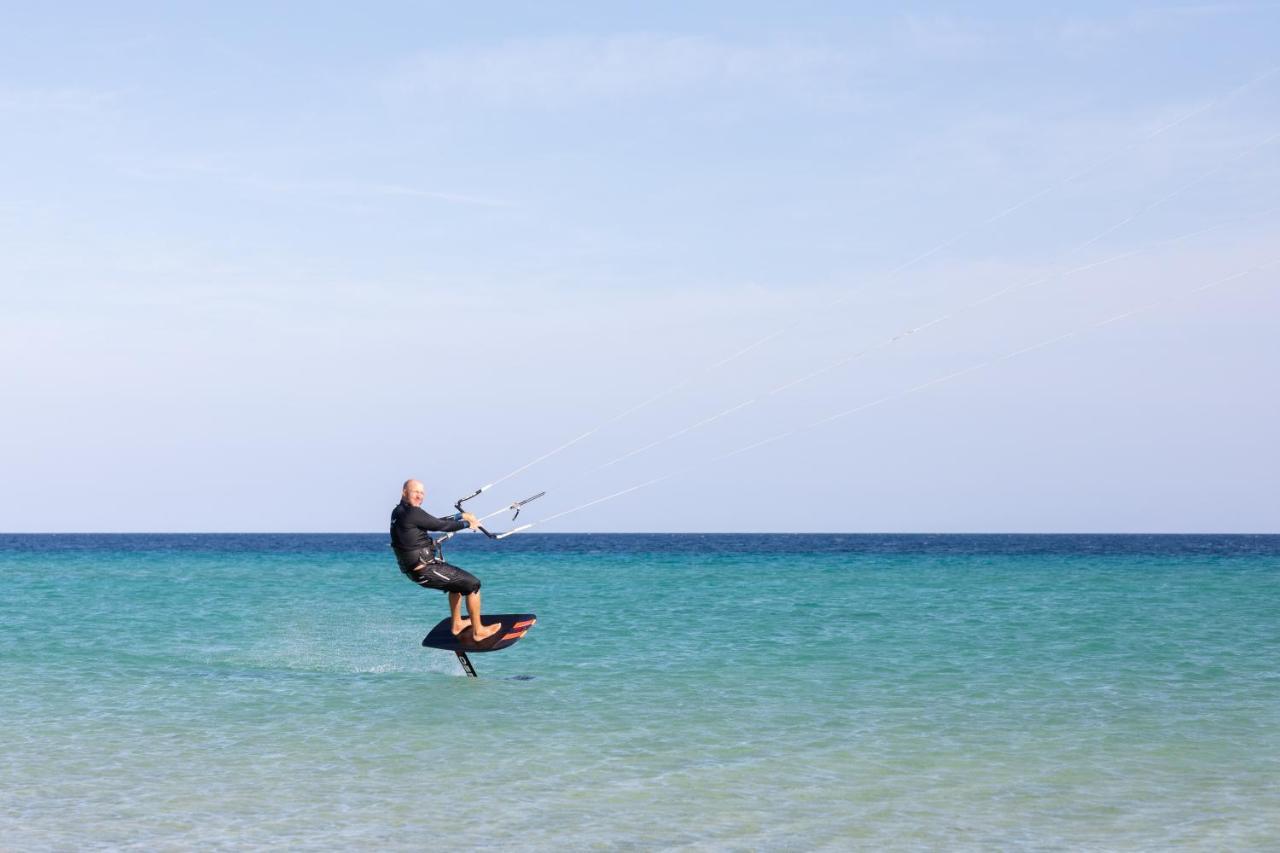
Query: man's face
{"points": [[415, 493]]}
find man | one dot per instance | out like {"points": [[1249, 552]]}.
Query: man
{"points": [[420, 561]]}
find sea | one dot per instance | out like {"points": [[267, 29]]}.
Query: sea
{"points": [[678, 692]]}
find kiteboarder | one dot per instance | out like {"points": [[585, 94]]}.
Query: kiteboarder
{"points": [[420, 560]]}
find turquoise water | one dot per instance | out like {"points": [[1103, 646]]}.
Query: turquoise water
{"points": [[700, 692]]}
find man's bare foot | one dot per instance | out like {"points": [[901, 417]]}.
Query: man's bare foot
{"points": [[485, 632], [458, 627]]}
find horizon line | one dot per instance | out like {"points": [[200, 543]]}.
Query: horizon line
{"points": [[646, 533]]}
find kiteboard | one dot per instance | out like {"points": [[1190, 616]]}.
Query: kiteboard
{"points": [[514, 626]]}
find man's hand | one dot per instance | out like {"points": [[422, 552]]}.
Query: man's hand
{"points": [[471, 519]]}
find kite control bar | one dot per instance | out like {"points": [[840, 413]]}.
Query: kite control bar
{"points": [[516, 506], [458, 506]]}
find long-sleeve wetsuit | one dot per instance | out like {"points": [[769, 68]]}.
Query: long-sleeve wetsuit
{"points": [[411, 526], [417, 554]]}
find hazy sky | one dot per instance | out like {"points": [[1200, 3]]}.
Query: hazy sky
{"points": [[259, 263]]}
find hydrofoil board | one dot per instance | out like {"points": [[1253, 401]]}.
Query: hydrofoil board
{"points": [[514, 626]]}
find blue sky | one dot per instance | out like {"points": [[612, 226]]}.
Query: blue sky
{"points": [[261, 262]]}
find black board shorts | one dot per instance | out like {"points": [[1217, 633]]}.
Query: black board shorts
{"points": [[419, 567]]}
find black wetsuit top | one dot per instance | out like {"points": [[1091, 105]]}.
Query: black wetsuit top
{"points": [[410, 526]]}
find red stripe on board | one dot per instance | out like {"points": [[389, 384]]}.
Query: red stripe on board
{"points": [[515, 635], [523, 624]]}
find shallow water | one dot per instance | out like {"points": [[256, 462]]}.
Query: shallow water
{"points": [[705, 692]]}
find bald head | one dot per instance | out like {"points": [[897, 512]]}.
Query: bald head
{"points": [[413, 492]]}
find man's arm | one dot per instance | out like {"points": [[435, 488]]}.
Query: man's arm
{"points": [[424, 520]]}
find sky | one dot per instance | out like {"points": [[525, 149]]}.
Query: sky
{"points": [[1001, 267]]}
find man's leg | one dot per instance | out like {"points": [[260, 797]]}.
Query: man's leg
{"points": [[479, 631], [455, 610]]}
